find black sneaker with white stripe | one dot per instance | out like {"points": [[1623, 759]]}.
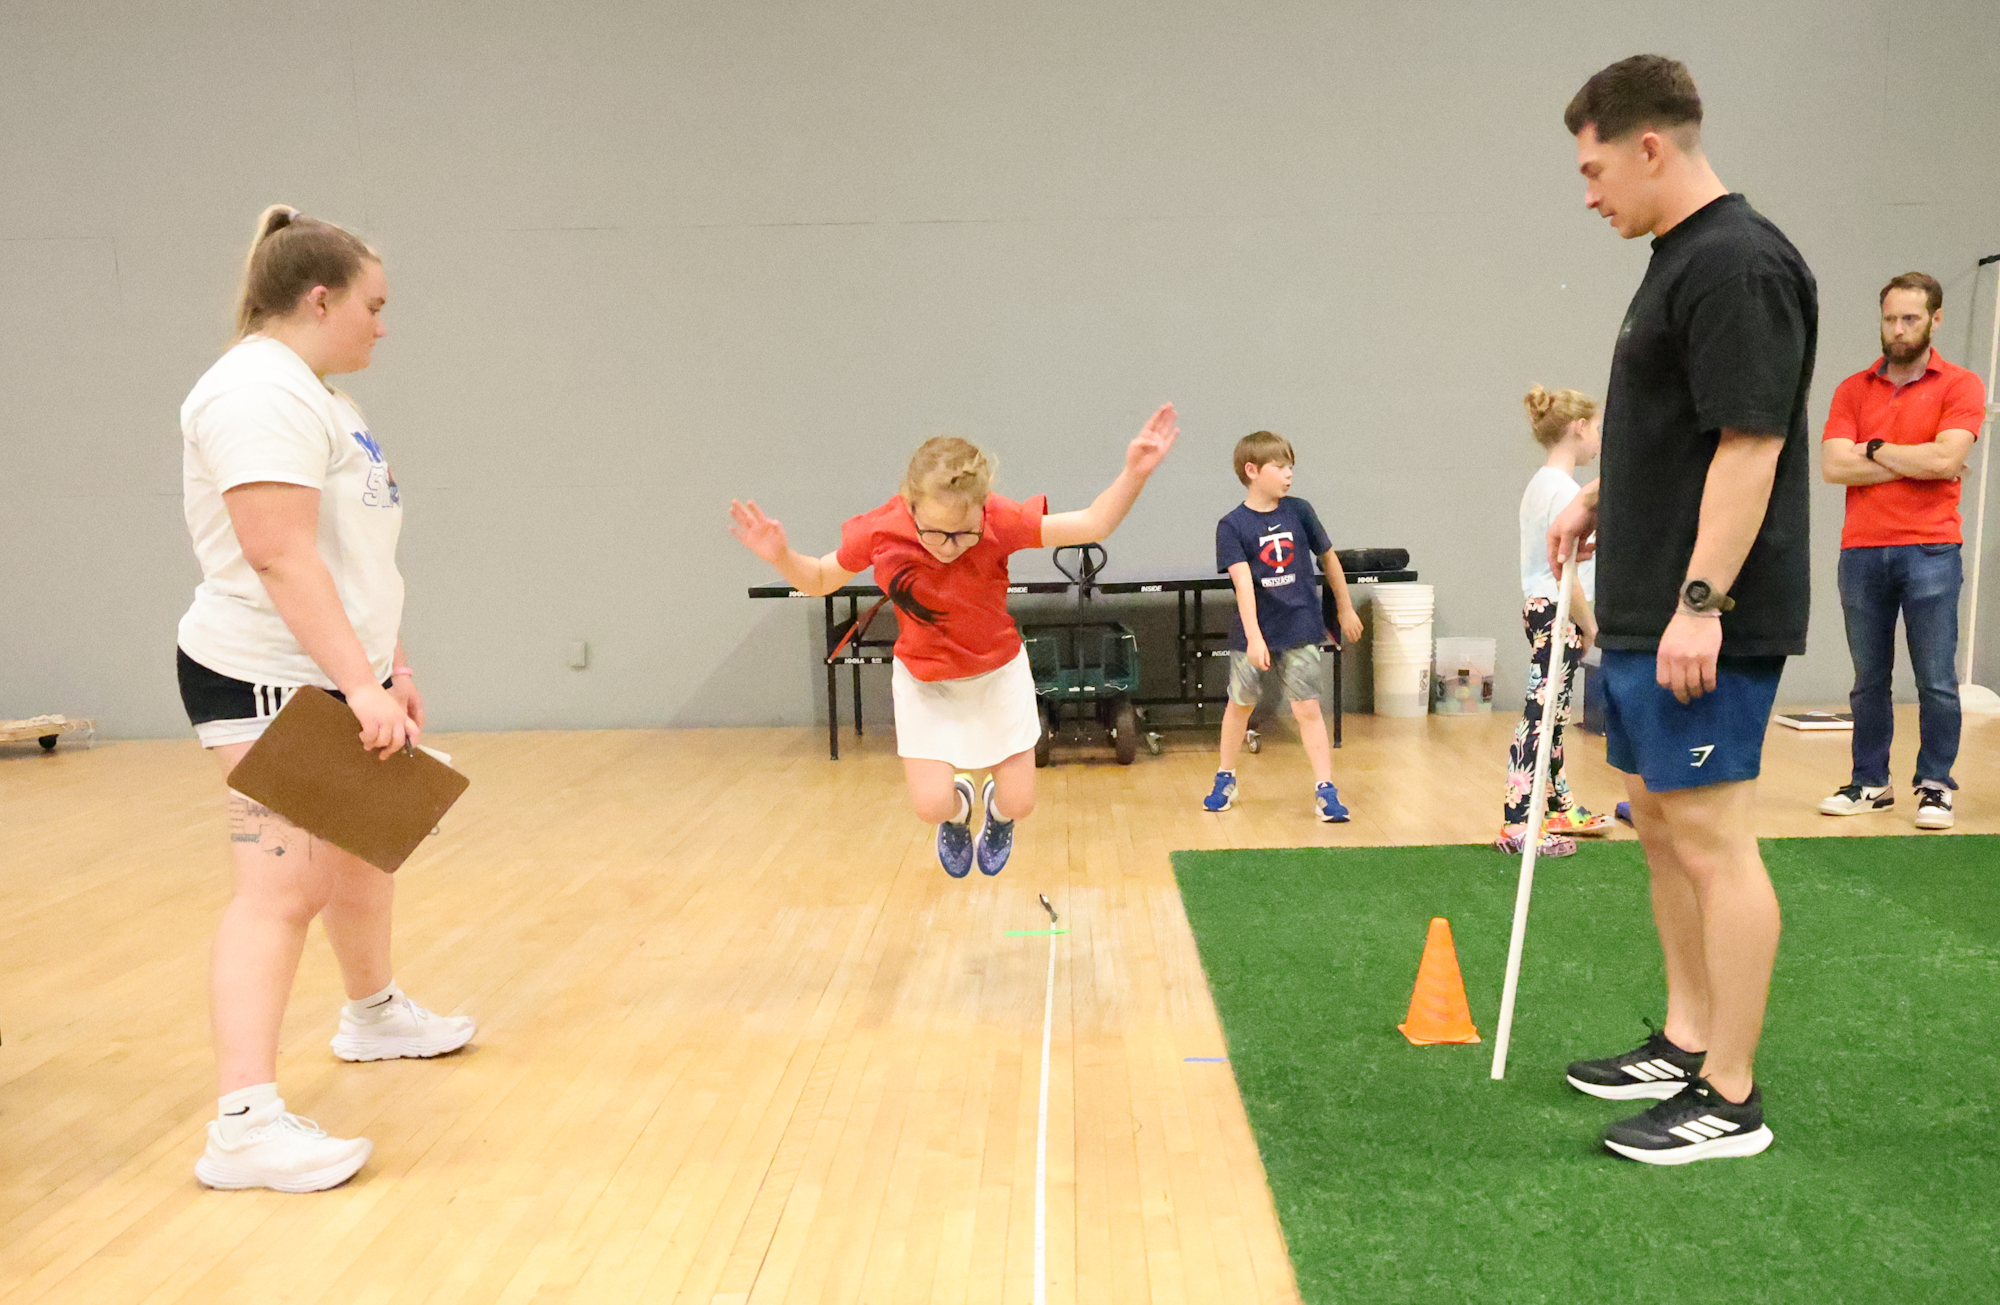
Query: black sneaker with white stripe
{"points": [[1699, 1123], [1656, 1068]]}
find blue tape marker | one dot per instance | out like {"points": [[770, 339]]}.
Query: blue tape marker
{"points": [[1207, 1060]]}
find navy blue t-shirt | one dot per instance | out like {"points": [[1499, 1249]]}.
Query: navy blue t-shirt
{"points": [[1280, 546]]}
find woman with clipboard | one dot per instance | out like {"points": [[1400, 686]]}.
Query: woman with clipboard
{"points": [[295, 516]]}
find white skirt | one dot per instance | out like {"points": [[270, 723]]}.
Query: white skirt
{"points": [[974, 723]]}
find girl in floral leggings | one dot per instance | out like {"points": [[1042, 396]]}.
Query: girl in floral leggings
{"points": [[1566, 424]]}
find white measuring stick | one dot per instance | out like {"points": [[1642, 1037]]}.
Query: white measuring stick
{"points": [[1974, 697], [1557, 684], [1042, 1138]]}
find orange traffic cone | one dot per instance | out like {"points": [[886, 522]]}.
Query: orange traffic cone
{"points": [[1438, 1012]]}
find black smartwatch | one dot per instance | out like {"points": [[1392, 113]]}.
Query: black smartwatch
{"points": [[1873, 446], [1700, 596]]}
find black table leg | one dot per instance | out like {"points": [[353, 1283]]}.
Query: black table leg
{"points": [[832, 689], [1181, 641], [1200, 651], [854, 614], [1337, 694]]}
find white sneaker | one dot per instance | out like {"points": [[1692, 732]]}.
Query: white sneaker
{"points": [[403, 1029], [284, 1153], [1855, 800], [1933, 807]]}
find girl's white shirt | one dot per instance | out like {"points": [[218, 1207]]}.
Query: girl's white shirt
{"points": [[1547, 495], [260, 414]]}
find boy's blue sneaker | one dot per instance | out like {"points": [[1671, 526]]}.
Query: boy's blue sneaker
{"points": [[1326, 798], [954, 837], [996, 837], [1223, 796]]}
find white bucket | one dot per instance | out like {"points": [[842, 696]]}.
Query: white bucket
{"points": [[1462, 683], [1402, 650]]}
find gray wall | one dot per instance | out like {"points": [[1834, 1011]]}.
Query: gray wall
{"points": [[644, 257]]}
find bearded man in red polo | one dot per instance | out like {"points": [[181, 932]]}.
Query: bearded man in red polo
{"points": [[1897, 436]]}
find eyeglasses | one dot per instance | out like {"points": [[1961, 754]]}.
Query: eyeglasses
{"points": [[949, 538]]}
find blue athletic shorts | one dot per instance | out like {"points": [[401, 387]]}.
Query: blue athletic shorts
{"points": [[1716, 739]]}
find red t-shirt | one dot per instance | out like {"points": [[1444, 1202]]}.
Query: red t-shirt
{"points": [[951, 617], [1869, 406]]}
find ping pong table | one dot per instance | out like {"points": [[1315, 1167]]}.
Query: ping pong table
{"points": [[1194, 643]]}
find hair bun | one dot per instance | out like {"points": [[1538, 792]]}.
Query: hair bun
{"points": [[1550, 412]]}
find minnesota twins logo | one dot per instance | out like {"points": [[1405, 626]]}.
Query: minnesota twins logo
{"points": [[1275, 549]]}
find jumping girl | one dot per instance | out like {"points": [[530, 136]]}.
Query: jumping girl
{"points": [[964, 698]]}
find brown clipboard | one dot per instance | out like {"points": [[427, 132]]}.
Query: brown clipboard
{"points": [[310, 768]]}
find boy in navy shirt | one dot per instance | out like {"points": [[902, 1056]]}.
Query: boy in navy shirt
{"points": [[1267, 546]]}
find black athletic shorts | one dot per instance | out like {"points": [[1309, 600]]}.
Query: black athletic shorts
{"points": [[242, 708]]}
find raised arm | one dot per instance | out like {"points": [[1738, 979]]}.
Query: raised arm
{"points": [[1142, 457], [278, 527], [766, 538]]}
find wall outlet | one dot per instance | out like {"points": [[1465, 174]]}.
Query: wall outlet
{"points": [[579, 655]]}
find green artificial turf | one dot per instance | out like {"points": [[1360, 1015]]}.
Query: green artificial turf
{"points": [[1405, 1173]]}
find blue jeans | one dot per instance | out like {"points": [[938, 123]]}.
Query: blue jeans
{"points": [[1921, 581]]}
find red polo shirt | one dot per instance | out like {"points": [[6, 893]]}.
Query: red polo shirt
{"points": [[1869, 406]]}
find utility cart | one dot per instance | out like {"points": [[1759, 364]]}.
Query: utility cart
{"points": [[1085, 669]]}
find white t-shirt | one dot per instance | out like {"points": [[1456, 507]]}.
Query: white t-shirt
{"points": [[259, 414], [1548, 494]]}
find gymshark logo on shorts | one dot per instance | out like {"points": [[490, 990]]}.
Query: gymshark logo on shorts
{"points": [[1701, 754]]}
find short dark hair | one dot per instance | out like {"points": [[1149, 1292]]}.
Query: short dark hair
{"points": [[1924, 281], [1260, 448], [1646, 90]]}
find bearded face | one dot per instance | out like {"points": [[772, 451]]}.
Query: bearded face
{"points": [[1903, 352], [1906, 326]]}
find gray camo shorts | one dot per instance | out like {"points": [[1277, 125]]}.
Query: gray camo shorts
{"points": [[1298, 673]]}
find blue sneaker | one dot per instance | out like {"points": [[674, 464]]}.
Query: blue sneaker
{"points": [[996, 837], [1224, 795], [1326, 800], [954, 837]]}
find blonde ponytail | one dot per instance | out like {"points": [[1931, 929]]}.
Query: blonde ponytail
{"points": [[1550, 412], [289, 255]]}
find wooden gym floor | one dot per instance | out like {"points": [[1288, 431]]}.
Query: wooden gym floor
{"points": [[741, 1040]]}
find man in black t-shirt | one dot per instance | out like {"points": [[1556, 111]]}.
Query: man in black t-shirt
{"points": [[1702, 587]]}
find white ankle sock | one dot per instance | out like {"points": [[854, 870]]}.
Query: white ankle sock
{"points": [[372, 1007], [244, 1108], [964, 809]]}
